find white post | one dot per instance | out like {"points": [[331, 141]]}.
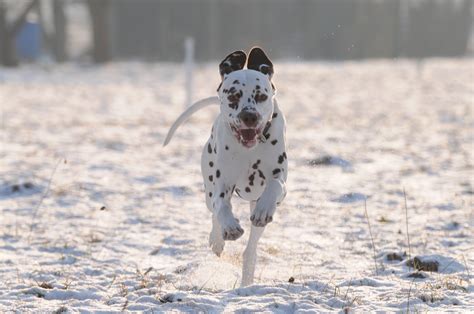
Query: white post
{"points": [[189, 67]]}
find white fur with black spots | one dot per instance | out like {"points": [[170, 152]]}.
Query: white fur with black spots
{"points": [[245, 154]]}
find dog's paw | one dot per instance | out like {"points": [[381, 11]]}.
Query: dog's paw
{"points": [[262, 214], [231, 230], [216, 242]]}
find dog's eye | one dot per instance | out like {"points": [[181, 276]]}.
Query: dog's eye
{"points": [[260, 98], [234, 97]]}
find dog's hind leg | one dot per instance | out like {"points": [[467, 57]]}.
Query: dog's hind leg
{"points": [[250, 253]]}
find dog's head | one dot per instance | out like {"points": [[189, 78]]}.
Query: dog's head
{"points": [[246, 95]]}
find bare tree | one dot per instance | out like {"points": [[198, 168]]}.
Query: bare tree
{"points": [[59, 31], [99, 11]]}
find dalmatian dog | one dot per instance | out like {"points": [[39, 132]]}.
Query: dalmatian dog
{"points": [[245, 153]]}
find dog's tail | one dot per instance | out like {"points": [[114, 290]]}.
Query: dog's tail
{"points": [[214, 100]]}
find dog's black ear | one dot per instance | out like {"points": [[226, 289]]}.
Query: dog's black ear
{"points": [[233, 62], [259, 61]]}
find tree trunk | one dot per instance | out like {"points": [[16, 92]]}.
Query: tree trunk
{"points": [[100, 29], [59, 41], [7, 52]]}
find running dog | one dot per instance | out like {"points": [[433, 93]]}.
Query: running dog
{"points": [[246, 152]]}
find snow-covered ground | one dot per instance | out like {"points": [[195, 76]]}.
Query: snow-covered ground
{"points": [[97, 215]]}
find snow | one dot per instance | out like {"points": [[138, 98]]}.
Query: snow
{"points": [[122, 224]]}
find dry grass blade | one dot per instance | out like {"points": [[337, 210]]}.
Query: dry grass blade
{"points": [[466, 268], [408, 297], [371, 237], [406, 225], [204, 284], [35, 211]]}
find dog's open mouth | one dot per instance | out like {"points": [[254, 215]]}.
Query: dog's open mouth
{"points": [[247, 137]]}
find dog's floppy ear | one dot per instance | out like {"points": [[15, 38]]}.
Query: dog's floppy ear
{"points": [[259, 61], [233, 62]]}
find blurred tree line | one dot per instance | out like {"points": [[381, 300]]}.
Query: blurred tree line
{"points": [[154, 30]]}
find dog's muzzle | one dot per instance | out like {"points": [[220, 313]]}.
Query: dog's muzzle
{"points": [[248, 133]]}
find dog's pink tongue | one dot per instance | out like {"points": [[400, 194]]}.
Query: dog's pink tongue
{"points": [[248, 134]]}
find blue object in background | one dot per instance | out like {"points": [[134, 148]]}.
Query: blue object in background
{"points": [[28, 41]]}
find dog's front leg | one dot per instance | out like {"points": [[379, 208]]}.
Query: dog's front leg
{"points": [[250, 253], [275, 192], [222, 208]]}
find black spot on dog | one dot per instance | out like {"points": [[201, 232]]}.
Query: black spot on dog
{"points": [[284, 155], [276, 171], [236, 82], [233, 97], [211, 164], [255, 165], [257, 87], [260, 97], [247, 189], [274, 115], [258, 79], [215, 149], [251, 178], [281, 158], [222, 195], [226, 147], [274, 142], [267, 136], [209, 148], [248, 99], [260, 174], [243, 84], [210, 178], [266, 90], [210, 194], [218, 173], [262, 183], [233, 105], [266, 128]]}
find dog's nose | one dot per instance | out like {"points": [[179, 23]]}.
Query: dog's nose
{"points": [[249, 118]]}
